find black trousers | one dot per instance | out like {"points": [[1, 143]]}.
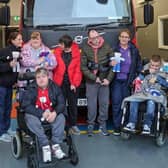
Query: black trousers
{"points": [[71, 99]]}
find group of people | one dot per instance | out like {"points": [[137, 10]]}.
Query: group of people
{"points": [[58, 75], [57, 78]]}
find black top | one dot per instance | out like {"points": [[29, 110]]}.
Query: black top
{"points": [[7, 76], [28, 102], [66, 56]]}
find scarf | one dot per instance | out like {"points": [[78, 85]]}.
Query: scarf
{"points": [[95, 50]]}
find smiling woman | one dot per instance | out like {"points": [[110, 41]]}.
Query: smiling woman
{"points": [[129, 68], [8, 78]]}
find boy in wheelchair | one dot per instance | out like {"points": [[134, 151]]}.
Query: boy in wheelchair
{"points": [[43, 102], [148, 87]]}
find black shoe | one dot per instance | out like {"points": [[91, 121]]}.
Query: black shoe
{"points": [[116, 132]]}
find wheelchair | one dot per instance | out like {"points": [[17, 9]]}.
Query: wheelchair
{"points": [[25, 142], [159, 124]]}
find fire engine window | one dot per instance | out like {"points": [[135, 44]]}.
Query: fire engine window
{"points": [[77, 11], [115, 8]]}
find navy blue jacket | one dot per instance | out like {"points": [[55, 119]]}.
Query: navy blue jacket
{"points": [[136, 63], [28, 103]]}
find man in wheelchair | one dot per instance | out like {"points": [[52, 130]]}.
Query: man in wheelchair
{"points": [[148, 87], [43, 102]]}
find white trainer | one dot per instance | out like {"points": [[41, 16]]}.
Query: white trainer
{"points": [[57, 151], [11, 132], [146, 129], [130, 127], [5, 138], [46, 151]]}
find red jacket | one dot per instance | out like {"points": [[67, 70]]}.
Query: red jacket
{"points": [[74, 72]]}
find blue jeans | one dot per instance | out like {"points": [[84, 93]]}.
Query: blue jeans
{"points": [[148, 116], [5, 108], [119, 90]]}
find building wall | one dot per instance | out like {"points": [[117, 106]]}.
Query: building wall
{"points": [[148, 37], [15, 6]]}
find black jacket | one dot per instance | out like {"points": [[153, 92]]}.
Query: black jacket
{"points": [[7, 76], [28, 103], [136, 63]]}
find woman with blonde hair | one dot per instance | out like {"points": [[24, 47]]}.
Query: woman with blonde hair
{"points": [[35, 54]]}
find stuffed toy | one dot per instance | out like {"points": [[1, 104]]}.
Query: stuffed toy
{"points": [[154, 92], [117, 57], [16, 57], [45, 60], [137, 83], [165, 67]]}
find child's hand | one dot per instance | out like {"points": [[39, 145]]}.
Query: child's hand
{"points": [[152, 70], [152, 80]]}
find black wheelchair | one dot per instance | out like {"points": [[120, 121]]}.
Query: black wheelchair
{"points": [[159, 124], [25, 142]]}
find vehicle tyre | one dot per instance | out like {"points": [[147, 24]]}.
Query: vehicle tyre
{"points": [[16, 146]]}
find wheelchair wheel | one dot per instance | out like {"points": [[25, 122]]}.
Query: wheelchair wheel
{"points": [[161, 139], [16, 146], [31, 162], [73, 155], [125, 135]]}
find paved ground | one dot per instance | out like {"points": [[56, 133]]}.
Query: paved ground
{"points": [[104, 152]]}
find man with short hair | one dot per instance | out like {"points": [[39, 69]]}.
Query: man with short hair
{"points": [[43, 102], [95, 67]]}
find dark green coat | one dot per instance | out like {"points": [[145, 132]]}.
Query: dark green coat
{"points": [[103, 54]]}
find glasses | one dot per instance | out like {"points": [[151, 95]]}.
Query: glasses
{"points": [[126, 37]]}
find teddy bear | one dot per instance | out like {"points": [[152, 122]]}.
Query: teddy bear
{"points": [[117, 57]]}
